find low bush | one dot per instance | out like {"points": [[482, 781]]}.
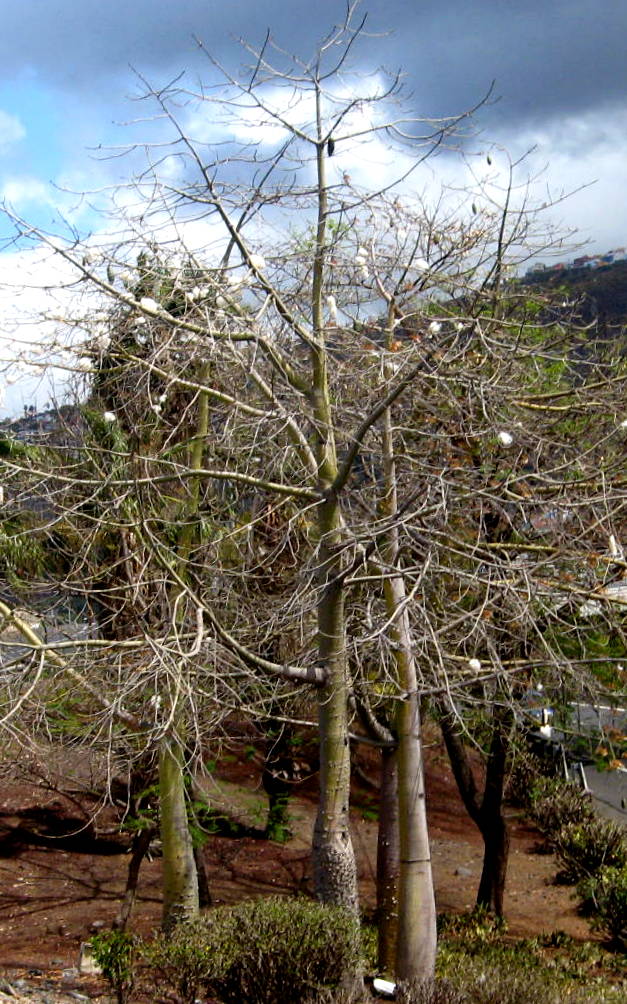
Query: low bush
{"points": [[476, 928], [114, 952], [493, 986], [585, 847], [554, 803], [267, 951], [606, 895]]}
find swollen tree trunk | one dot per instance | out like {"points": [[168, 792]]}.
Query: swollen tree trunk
{"points": [[180, 884], [388, 864]]}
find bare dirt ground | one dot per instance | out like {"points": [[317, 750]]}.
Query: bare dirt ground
{"points": [[58, 883]]}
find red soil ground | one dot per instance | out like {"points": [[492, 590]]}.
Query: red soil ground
{"points": [[56, 889]]}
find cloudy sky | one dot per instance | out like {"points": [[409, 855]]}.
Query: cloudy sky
{"points": [[558, 66]]}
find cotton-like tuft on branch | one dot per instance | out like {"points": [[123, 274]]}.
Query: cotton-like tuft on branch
{"points": [[149, 305], [102, 341], [615, 549], [257, 261]]}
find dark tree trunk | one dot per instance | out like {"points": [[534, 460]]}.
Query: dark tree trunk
{"points": [[491, 820], [278, 777], [485, 810], [139, 849], [204, 890], [494, 872]]}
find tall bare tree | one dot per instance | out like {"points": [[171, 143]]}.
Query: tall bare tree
{"points": [[309, 404]]}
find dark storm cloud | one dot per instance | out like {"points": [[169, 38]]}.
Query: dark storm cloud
{"points": [[549, 58]]}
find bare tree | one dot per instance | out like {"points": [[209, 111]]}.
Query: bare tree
{"points": [[307, 425]]}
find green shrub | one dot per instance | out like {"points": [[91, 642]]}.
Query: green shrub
{"points": [[606, 893], [518, 788], [492, 986], [585, 847], [554, 803], [114, 952], [267, 951], [477, 927]]}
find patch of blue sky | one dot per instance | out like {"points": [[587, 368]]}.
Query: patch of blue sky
{"points": [[30, 163]]}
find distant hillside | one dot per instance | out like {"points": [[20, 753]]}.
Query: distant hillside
{"points": [[602, 291]]}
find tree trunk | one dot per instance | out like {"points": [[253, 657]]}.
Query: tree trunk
{"points": [[492, 821], [205, 898], [486, 811], [494, 873], [417, 922], [277, 779], [335, 872], [180, 883], [388, 864], [139, 849]]}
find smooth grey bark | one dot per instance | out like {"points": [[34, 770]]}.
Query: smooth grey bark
{"points": [[417, 927]]}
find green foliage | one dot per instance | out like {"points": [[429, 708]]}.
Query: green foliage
{"points": [[21, 553], [278, 819], [584, 848], [105, 435], [492, 986], [553, 803], [68, 717], [267, 951], [114, 952], [606, 893], [14, 449], [480, 965], [479, 927]]}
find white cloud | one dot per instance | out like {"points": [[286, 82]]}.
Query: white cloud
{"points": [[11, 129], [25, 191]]}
